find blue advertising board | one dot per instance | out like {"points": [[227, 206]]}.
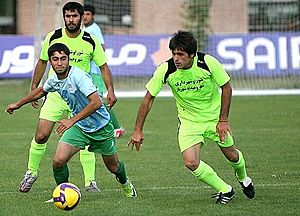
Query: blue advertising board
{"points": [[263, 54], [16, 56]]}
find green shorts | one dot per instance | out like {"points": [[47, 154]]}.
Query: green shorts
{"points": [[192, 133], [54, 107], [101, 142]]}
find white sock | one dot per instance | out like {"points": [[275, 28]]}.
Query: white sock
{"points": [[247, 181]]}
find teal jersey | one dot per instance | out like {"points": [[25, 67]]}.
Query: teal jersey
{"points": [[74, 90], [196, 90], [94, 29], [83, 49], [95, 70]]}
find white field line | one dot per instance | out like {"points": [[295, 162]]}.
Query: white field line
{"points": [[169, 188], [12, 133], [168, 93]]}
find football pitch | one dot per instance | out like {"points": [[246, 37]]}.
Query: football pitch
{"points": [[265, 128]]}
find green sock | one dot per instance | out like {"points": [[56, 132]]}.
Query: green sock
{"points": [[88, 163], [36, 154], [61, 175], [239, 167], [121, 173], [207, 175]]}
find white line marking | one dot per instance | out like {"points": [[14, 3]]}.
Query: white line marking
{"points": [[12, 133]]}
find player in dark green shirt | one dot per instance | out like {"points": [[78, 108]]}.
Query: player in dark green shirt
{"points": [[196, 80]]}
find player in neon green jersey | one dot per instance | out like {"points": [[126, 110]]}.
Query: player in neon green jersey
{"points": [[195, 80], [84, 48]]}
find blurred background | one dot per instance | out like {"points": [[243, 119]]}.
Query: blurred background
{"points": [[258, 41]]}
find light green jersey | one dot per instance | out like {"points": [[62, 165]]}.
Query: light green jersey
{"points": [[196, 90], [83, 49]]}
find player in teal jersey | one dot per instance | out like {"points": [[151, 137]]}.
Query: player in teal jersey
{"points": [[90, 124], [84, 48], [195, 80], [91, 27]]}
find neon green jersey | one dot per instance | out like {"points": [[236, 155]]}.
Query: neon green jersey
{"points": [[83, 49], [196, 90]]}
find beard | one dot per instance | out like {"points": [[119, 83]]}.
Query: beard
{"points": [[75, 29]]}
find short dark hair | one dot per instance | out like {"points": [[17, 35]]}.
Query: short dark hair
{"points": [[72, 6], [90, 8], [184, 41], [58, 47]]}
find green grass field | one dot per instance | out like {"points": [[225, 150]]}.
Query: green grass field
{"points": [[266, 129]]}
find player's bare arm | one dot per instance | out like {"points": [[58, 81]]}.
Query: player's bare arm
{"points": [[137, 137], [38, 73], [32, 96], [223, 125], [37, 77], [108, 80], [93, 105]]}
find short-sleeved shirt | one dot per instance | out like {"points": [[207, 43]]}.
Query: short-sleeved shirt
{"points": [[94, 29], [83, 48], [196, 90], [74, 90], [95, 72]]}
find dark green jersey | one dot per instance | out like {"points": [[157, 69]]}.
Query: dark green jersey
{"points": [[196, 90]]}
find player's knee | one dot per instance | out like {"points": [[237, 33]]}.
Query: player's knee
{"points": [[57, 163], [41, 138], [191, 164]]}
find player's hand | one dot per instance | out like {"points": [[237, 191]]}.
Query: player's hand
{"points": [[222, 130], [35, 104], [111, 99], [136, 140], [11, 107], [63, 125]]}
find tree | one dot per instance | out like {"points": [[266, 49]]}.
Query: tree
{"points": [[197, 18]]}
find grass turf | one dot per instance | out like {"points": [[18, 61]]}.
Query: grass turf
{"points": [[266, 129]]}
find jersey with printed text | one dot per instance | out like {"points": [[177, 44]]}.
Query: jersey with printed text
{"points": [[74, 90], [83, 49], [196, 90]]}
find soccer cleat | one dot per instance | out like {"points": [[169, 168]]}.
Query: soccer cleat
{"points": [[92, 187], [119, 132], [129, 189], [224, 198], [248, 190], [27, 182]]}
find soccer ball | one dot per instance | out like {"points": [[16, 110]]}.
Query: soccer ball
{"points": [[66, 196]]}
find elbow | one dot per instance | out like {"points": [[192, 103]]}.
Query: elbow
{"points": [[97, 104], [93, 107]]}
